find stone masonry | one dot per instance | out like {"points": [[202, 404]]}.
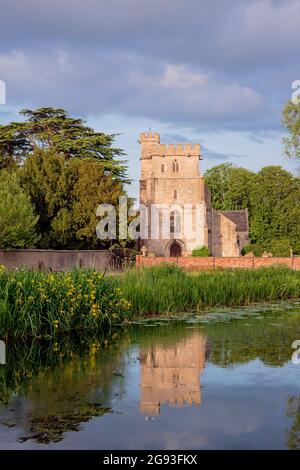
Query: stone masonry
{"points": [[175, 196]]}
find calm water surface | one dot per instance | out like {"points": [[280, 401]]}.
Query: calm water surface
{"points": [[220, 381]]}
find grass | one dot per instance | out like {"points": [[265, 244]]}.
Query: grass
{"points": [[35, 304], [168, 289]]}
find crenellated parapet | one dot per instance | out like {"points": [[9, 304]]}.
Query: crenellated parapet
{"points": [[178, 150], [151, 146], [151, 137]]}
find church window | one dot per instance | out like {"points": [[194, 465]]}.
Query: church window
{"points": [[175, 193], [175, 222], [172, 222], [163, 168], [175, 166]]}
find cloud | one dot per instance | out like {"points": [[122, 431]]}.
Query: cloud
{"points": [[205, 64], [209, 154], [101, 83], [206, 32]]}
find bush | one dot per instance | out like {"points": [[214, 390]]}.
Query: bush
{"points": [[41, 304], [201, 251], [280, 247], [256, 249], [17, 219]]}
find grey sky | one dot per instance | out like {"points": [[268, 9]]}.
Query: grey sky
{"points": [[212, 71]]}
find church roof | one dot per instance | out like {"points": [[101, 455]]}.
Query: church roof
{"points": [[239, 218]]}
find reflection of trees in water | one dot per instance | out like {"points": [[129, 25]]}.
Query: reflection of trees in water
{"points": [[241, 341], [293, 433], [54, 387], [236, 341]]}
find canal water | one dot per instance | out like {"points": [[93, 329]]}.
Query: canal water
{"points": [[228, 379]]}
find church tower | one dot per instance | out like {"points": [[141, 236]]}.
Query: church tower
{"points": [[173, 191], [176, 204]]}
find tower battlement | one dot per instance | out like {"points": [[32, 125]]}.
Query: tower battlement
{"points": [[151, 146], [179, 150], [152, 137]]}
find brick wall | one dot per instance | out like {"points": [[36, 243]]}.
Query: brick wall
{"points": [[245, 262]]}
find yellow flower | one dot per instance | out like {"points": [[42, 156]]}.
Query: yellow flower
{"points": [[95, 310]]}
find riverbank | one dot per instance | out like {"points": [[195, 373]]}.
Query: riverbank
{"points": [[169, 289], [36, 304]]}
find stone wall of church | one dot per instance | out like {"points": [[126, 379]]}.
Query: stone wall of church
{"points": [[224, 236], [170, 176]]}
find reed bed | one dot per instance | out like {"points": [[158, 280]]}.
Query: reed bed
{"points": [[168, 289], [35, 304]]}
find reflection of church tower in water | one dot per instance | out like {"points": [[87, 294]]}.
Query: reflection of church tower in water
{"points": [[170, 374]]}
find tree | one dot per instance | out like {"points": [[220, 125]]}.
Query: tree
{"points": [[54, 130], [272, 197], [230, 186], [291, 121], [87, 188], [17, 219], [275, 198], [66, 193], [13, 146]]}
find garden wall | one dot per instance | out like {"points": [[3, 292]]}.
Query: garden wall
{"points": [[193, 263], [55, 260]]}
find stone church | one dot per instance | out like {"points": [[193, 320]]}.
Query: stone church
{"points": [[175, 196]]}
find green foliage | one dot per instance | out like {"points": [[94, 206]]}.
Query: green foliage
{"points": [[272, 197], [17, 219], [39, 304], [201, 251], [291, 121], [35, 303], [279, 247], [229, 186], [168, 289], [275, 209], [65, 194], [67, 169], [54, 130]]}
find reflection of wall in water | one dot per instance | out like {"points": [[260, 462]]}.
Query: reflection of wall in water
{"points": [[170, 374]]}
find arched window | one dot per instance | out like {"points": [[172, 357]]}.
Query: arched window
{"points": [[175, 166], [175, 222], [175, 194], [172, 222], [163, 168]]}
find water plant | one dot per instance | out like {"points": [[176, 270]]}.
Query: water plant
{"points": [[168, 289], [40, 304], [37, 304]]}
